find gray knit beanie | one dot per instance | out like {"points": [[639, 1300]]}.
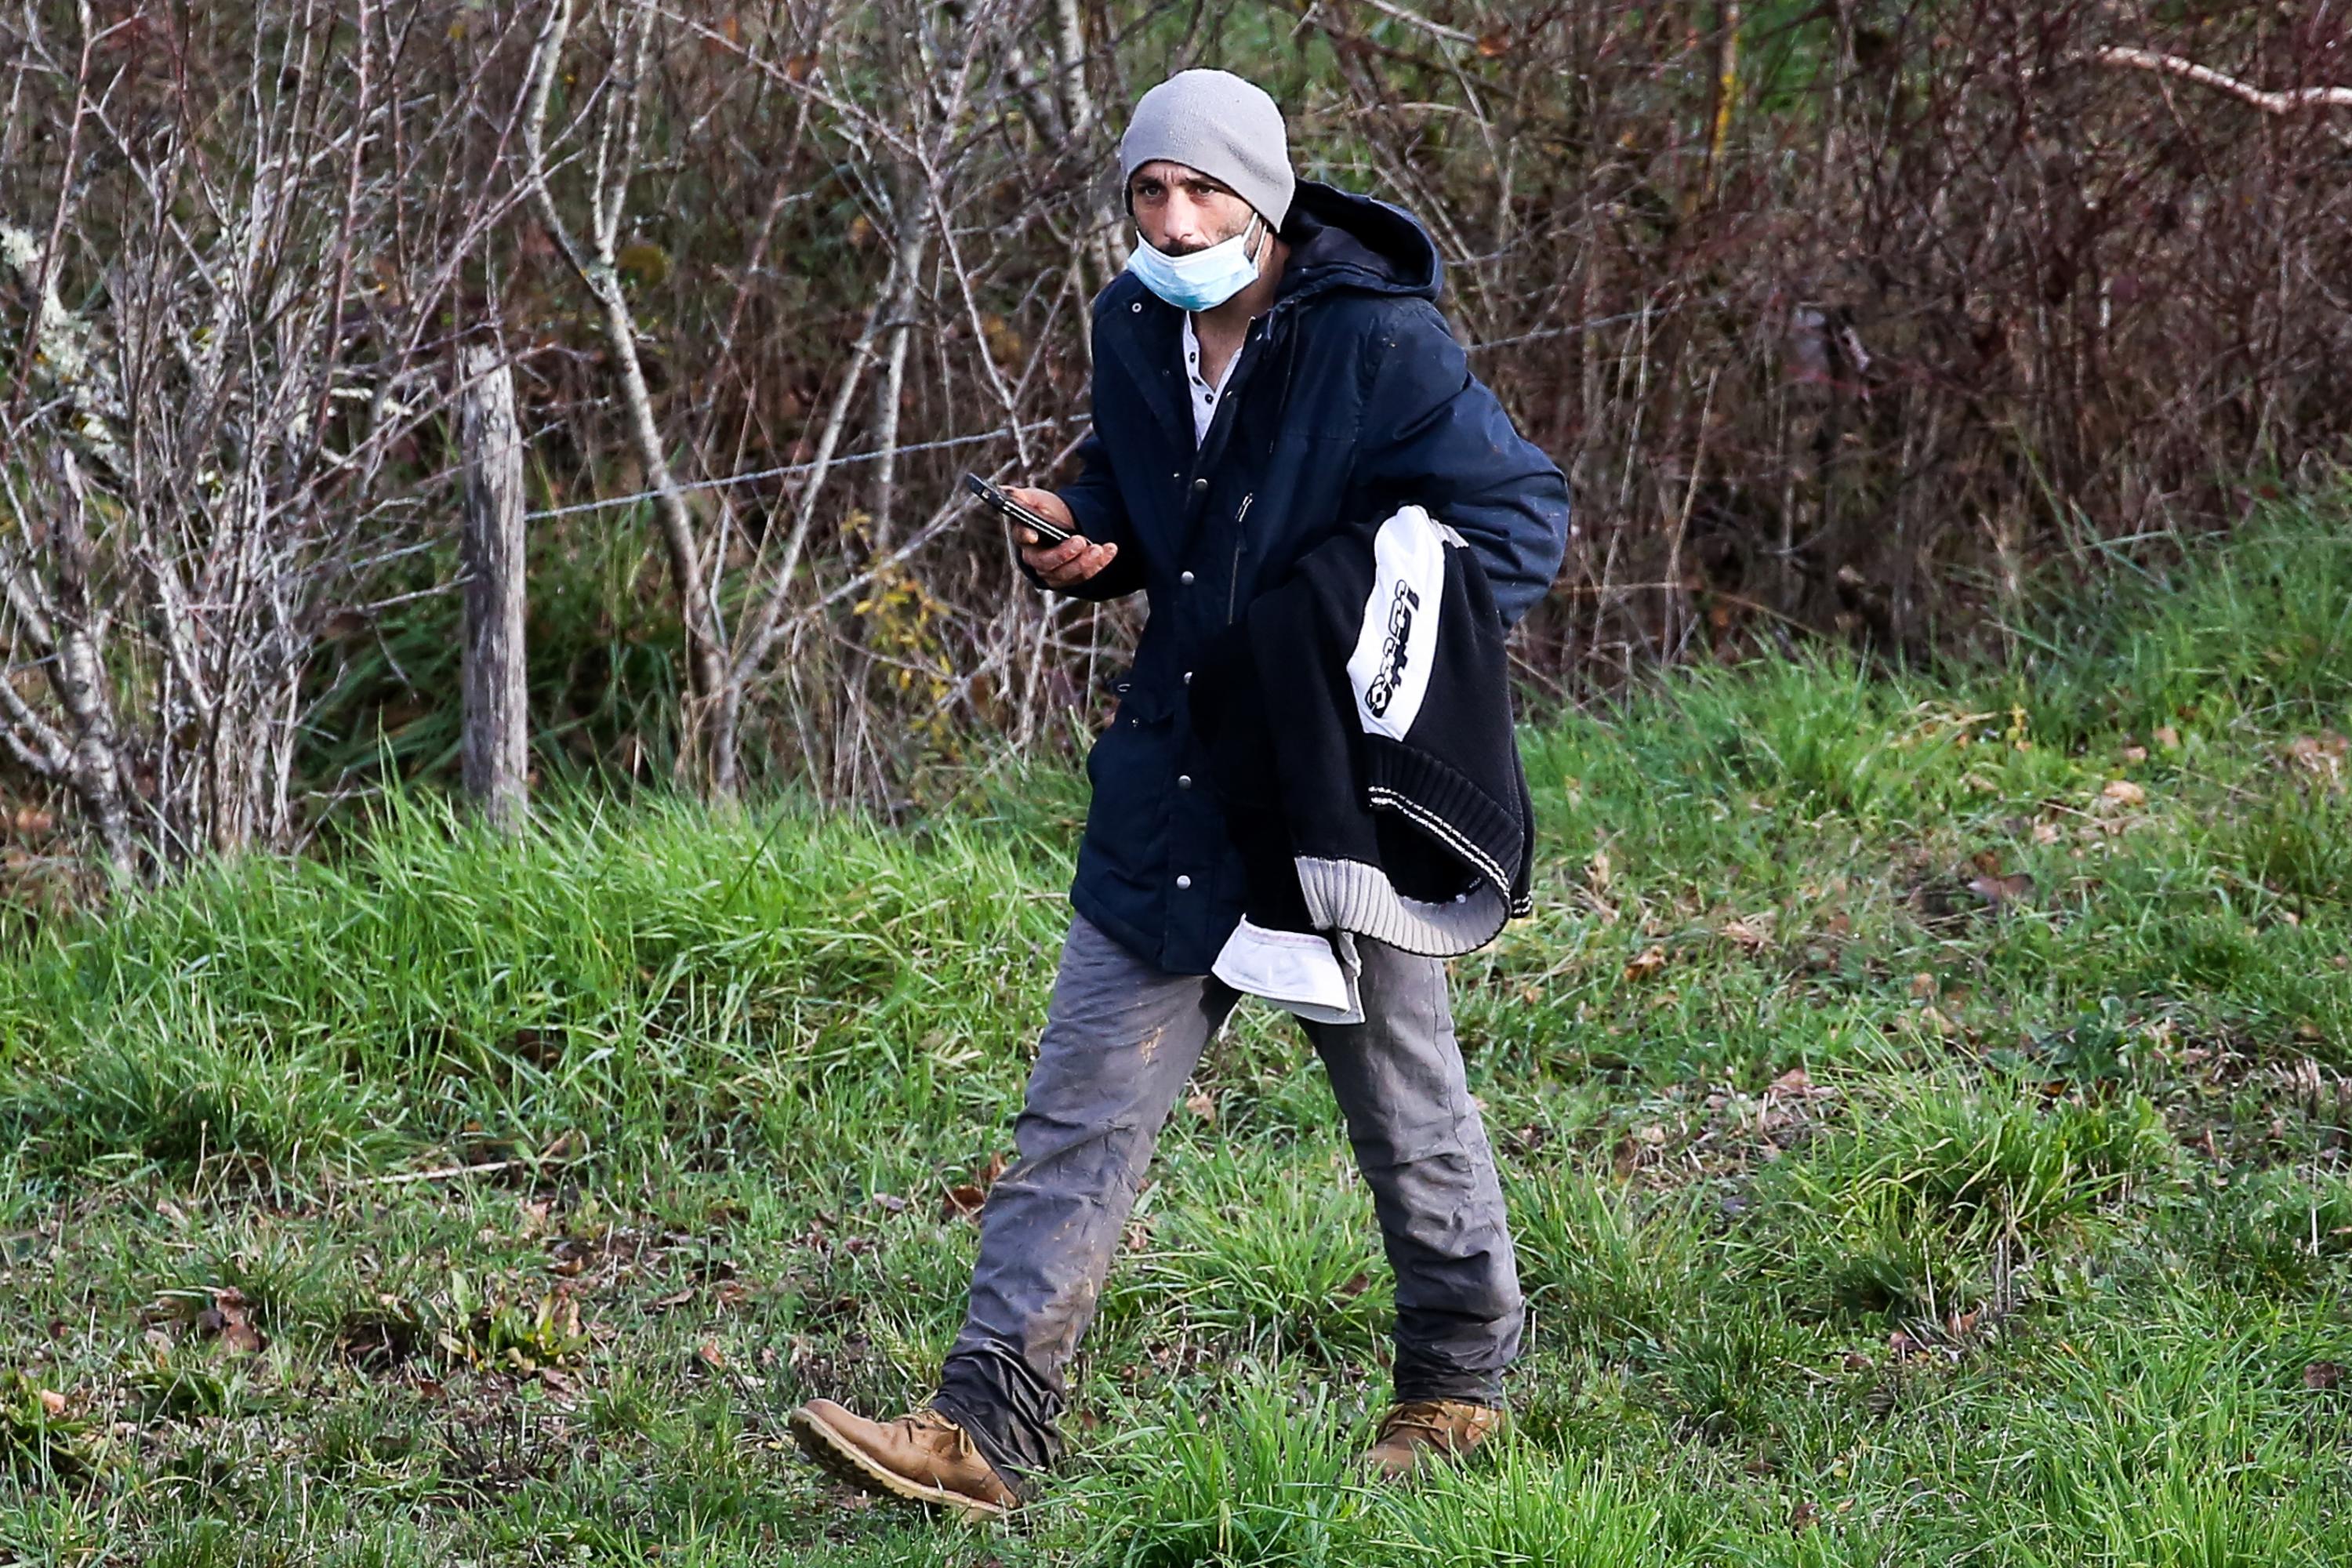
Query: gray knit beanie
{"points": [[1216, 122]]}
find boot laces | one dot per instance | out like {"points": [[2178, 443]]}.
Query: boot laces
{"points": [[1428, 1416], [930, 1419]]}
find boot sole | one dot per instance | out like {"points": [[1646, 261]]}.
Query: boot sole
{"points": [[840, 1457]]}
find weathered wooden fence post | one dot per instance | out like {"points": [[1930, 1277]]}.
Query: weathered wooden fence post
{"points": [[498, 716]]}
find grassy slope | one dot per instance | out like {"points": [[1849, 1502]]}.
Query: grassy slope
{"points": [[2041, 1259]]}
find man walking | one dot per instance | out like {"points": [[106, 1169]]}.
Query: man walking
{"points": [[1271, 370]]}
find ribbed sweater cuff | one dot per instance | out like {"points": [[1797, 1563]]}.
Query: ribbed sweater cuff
{"points": [[1487, 837]]}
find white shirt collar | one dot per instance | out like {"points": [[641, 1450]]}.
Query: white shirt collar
{"points": [[1201, 395]]}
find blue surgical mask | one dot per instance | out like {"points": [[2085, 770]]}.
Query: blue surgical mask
{"points": [[1203, 281]]}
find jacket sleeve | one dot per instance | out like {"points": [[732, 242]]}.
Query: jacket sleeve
{"points": [[1434, 434], [1093, 499]]}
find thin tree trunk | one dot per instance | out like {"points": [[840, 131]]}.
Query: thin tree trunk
{"points": [[497, 708], [706, 668], [81, 678], [913, 230]]}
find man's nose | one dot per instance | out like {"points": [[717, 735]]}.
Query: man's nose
{"points": [[1185, 226]]}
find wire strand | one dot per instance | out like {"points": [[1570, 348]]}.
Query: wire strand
{"points": [[1000, 433], [789, 470]]}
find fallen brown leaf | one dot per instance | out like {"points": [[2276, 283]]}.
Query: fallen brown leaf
{"points": [[1646, 963], [1798, 1084], [675, 1299], [2167, 737], [1999, 890], [1202, 1105], [2322, 754], [2123, 792], [227, 1320], [2321, 1375], [962, 1201]]}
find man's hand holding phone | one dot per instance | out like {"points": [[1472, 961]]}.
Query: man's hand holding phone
{"points": [[1062, 565]]}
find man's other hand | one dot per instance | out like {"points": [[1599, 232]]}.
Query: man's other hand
{"points": [[1074, 560]]}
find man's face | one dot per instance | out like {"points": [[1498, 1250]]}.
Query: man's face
{"points": [[1180, 210]]}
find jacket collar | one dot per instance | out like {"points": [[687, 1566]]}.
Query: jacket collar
{"points": [[1338, 241], [1145, 338]]}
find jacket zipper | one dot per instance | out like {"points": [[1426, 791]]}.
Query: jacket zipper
{"points": [[1234, 582]]}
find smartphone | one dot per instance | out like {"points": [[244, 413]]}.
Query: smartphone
{"points": [[989, 496]]}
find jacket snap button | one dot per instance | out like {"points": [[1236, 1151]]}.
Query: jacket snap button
{"points": [[1185, 577], [1200, 485], [1184, 882], [1184, 780], [1136, 309]]}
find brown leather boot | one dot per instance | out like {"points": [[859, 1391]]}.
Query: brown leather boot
{"points": [[922, 1455], [1417, 1428]]}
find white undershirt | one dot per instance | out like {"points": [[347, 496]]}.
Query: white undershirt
{"points": [[1203, 397]]}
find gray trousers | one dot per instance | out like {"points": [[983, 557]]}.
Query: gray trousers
{"points": [[1120, 1039]]}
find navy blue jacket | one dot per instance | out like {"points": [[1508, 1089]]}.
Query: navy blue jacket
{"points": [[1349, 398]]}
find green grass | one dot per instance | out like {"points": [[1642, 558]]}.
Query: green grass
{"points": [[1920, 1097]]}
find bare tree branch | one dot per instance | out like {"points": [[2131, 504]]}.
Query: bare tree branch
{"points": [[2287, 102]]}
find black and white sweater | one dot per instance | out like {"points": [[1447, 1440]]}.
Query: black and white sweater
{"points": [[1359, 725]]}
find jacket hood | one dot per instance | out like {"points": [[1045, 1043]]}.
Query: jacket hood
{"points": [[1338, 241]]}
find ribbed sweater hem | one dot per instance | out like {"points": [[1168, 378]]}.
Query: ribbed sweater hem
{"points": [[1348, 895]]}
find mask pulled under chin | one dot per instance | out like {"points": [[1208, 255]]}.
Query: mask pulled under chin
{"points": [[1203, 281]]}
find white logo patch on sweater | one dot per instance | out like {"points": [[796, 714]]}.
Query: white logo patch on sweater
{"points": [[1389, 668]]}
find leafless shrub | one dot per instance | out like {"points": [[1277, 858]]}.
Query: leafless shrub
{"points": [[1842, 317], [210, 447]]}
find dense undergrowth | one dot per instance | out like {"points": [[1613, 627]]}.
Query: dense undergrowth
{"points": [[1921, 1098]]}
